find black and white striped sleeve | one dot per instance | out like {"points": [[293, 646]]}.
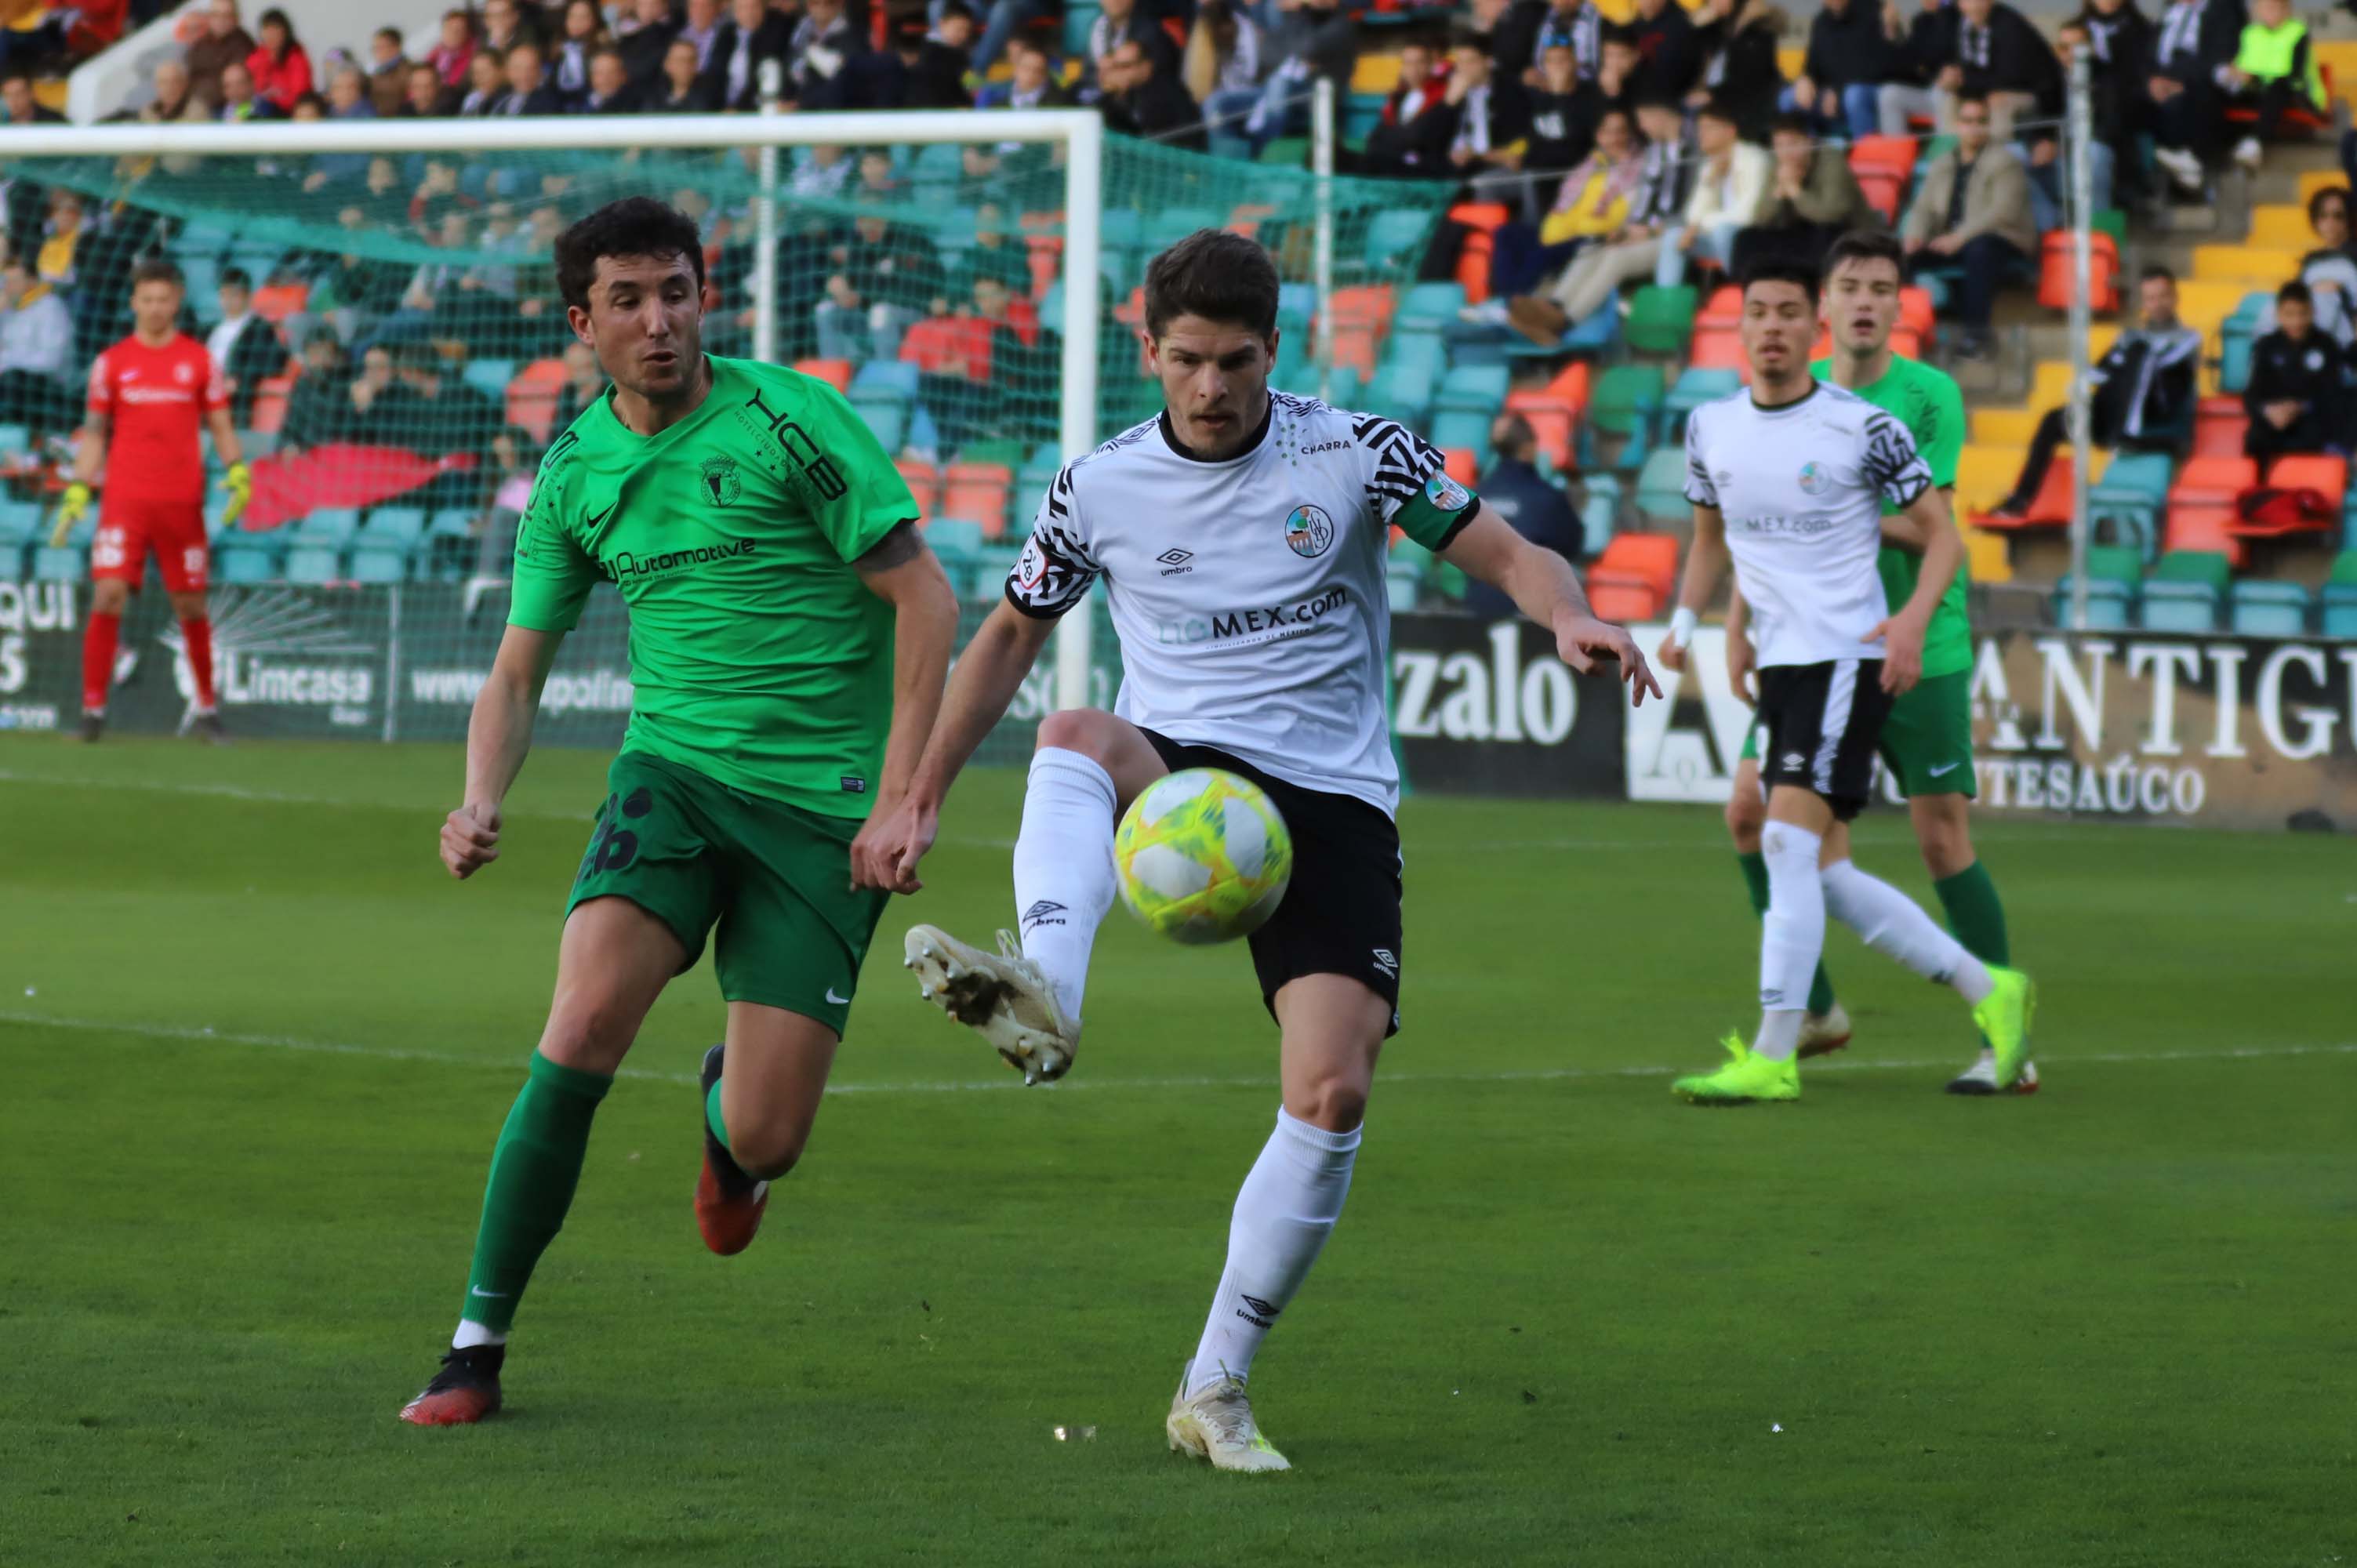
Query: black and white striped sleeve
{"points": [[1890, 463], [1057, 566]]}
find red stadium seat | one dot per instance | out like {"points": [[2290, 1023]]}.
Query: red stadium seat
{"points": [[532, 397], [1570, 387], [2057, 266], [1552, 420], [1482, 216], [978, 492], [2329, 477], [1915, 313], [924, 483], [1649, 561], [1046, 254], [275, 301], [2219, 423], [1717, 348], [836, 373], [950, 346], [1884, 191], [1360, 315], [270, 404], [1462, 465], [2049, 508], [1723, 308], [1623, 602], [2212, 481], [1473, 266], [2196, 527], [1883, 154], [2326, 478]]}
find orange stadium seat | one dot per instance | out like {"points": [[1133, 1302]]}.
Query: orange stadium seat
{"points": [[275, 301], [1723, 308], [2057, 265], [2218, 427], [1644, 561], [2213, 480], [1717, 348], [1473, 266], [1553, 421], [1883, 154], [2195, 527], [1623, 602], [1915, 312], [1462, 465], [270, 398], [978, 492], [836, 373], [1483, 217], [532, 397], [2049, 508], [1884, 191], [1570, 387], [924, 483]]}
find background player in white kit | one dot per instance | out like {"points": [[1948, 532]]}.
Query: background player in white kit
{"points": [[1241, 534], [1789, 478]]}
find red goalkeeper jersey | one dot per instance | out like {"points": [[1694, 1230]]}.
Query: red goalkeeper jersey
{"points": [[154, 401]]}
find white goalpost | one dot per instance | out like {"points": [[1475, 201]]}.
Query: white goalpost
{"points": [[1077, 135]]}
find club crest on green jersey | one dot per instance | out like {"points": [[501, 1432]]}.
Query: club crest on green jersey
{"points": [[721, 483]]}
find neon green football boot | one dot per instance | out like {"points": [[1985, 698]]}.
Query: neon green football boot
{"points": [[2004, 1018], [1745, 1078]]}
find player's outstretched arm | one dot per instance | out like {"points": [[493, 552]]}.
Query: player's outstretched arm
{"points": [[988, 674], [904, 573], [498, 737], [1544, 587], [1706, 564], [90, 452], [1901, 631]]}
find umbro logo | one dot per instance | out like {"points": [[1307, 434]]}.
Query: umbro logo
{"points": [[1388, 962], [1046, 912], [1256, 1312], [1266, 1309], [1175, 561], [1795, 762]]}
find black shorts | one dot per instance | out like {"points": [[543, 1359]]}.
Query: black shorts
{"points": [[1822, 723], [1341, 911]]}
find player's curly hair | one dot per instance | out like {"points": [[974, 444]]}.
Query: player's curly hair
{"points": [[1214, 274], [634, 226]]}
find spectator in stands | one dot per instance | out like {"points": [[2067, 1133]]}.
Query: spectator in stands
{"points": [[428, 98], [1581, 26], [507, 24], [455, 51], [1730, 189], [222, 42], [1737, 40], [1562, 131], [1922, 77], [2040, 151], [486, 85], [246, 349], [348, 95], [1614, 86], [2273, 71], [751, 35], [681, 89], [1120, 22], [1591, 205], [2144, 390], [582, 33], [1512, 28], [610, 91], [1031, 80], [1840, 84], [879, 183], [438, 415], [240, 102], [701, 28], [1812, 200], [883, 277], [2299, 395], [1222, 72], [824, 175], [367, 393], [583, 383], [829, 56], [1537, 508], [528, 89], [2195, 43], [319, 408], [644, 36], [1139, 101], [2330, 270], [1665, 37], [1414, 134], [1971, 219], [919, 71], [353, 289], [1310, 38], [1635, 250], [172, 100], [995, 255], [388, 73], [280, 69], [1492, 117], [22, 108], [2119, 41], [2002, 57], [37, 339]]}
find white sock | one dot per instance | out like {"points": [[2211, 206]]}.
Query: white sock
{"points": [[1791, 936], [471, 1335], [1896, 925], [1063, 868], [1284, 1213]]}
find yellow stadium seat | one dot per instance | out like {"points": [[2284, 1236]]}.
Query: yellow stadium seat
{"points": [[2340, 56], [2049, 384], [1788, 60], [1986, 552], [2282, 226], [2100, 339], [1985, 475], [2004, 426], [2202, 305], [2318, 179], [1375, 73], [2246, 264]]}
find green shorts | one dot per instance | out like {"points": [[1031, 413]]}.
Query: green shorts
{"points": [[691, 852], [1927, 741]]}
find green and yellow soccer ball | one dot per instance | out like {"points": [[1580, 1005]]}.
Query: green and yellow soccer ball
{"points": [[1203, 856]]}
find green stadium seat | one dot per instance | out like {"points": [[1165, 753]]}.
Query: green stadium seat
{"points": [[1167, 228], [2269, 609], [1661, 320], [1395, 232], [15, 438], [313, 564], [489, 377], [2184, 592], [1626, 399], [1402, 392], [1286, 152], [1465, 427], [957, 542], [330, 525], [1417, 347], [21, 521], [2114, 574], [1123, 228], [1599, 513], [1661, 487], [452, 522], [1080, 16], [12, 560], [1429, 307], [1481, 389], [1696, 386], [246, 566], [886, 416], [57, 564], [2340, 596], [394, 523], [376, 564], [896, 376]]}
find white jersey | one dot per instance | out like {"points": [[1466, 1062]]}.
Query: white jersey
{"points": [[1802, 488], [1249, 593]]}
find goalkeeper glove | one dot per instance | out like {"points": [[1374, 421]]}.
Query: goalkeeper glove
{"points": [[69, 511], [239, 483]]}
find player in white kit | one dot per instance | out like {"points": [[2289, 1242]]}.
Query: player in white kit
{"points": [[1787, 478], [1241, 536]]}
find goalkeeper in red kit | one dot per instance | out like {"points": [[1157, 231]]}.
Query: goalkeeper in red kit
{"points": [[149, 395]]}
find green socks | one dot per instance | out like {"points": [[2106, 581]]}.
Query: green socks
{"points": [[712, 1117], [534, 1169], [1974, 914], [1755, 877]]}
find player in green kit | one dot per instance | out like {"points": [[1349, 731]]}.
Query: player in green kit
{"points": [[1927, 743], [790, 634]]}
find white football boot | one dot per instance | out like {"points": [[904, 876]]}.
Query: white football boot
{"points": [[1217, 1425], [1825, 1032], [1981, 1077], [1004, 995]]}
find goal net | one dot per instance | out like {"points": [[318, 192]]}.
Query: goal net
{"points": [[382, 299]]}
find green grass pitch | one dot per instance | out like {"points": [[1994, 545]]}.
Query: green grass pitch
{"points": [[254, 1047]]}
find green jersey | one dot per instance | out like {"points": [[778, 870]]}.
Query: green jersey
{"points": [[760, 658], [1928, 404]]}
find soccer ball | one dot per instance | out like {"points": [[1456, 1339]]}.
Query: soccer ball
{"points": [[1203, 856]]}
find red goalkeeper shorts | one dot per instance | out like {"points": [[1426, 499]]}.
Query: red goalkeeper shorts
{"points": [[175, 531]]}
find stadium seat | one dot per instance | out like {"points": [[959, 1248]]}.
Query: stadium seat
{"points": [[1404, 391], [452, 522], [1644, 561], [1463, 427], [2328, 477], [2218, 425], [1661, 488], [2213, 480], [532, 398], [924, 483], [1462, 465], [2340, 596], [1599, 513], [1172, 224], [1474, 260], [1429, 307], [20, 521], [2050, 508], [399, 524], [1724, 309], [1884, 191], [2058, 268], [1661, 320], [2269, 609], [2131, 494], [331, 526], [1396, 232], [1890, 154], [372, 564], [2183, 592], [1718, 349], [313, 564], [489, 377], [2114, 574], [1553, 420], [1573, 385], [887, 414], [57, 564], [2200, 527], [978, 491], [1627, 400], [1696, 386], [1481, 389], [1481, 217], [269, 415], [957, 542]]}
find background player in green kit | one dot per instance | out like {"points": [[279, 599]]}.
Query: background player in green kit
{"points": [[1927, 742], [784, 611]]}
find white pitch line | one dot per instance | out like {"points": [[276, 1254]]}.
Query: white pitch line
{"points": [[960, 1086]]}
